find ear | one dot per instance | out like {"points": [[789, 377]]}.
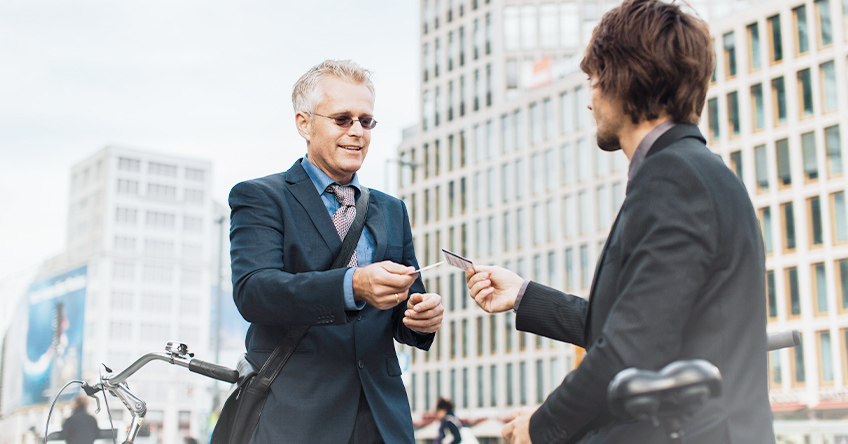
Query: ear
{"points": [[303, 122]]}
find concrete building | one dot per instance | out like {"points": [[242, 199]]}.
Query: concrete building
{"points": [[503, 169], [141, 227]]}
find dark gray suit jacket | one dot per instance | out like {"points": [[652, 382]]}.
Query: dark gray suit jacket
{"points": [[682, 276], [282, 243]]}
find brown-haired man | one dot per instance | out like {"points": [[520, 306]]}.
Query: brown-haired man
{"points": [[681, 274]]}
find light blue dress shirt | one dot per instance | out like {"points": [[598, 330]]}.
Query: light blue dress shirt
{"points": [[365, 246]]}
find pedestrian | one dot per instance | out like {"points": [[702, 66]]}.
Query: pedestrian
{"points": [[80, 427]]}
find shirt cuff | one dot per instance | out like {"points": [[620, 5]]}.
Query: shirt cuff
{"points": [[349, 303], [520, 295]]}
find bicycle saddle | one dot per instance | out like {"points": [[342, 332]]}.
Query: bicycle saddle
{"points": [[680, 388]]}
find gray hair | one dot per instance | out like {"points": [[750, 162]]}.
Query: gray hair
{"points": [[307, 92]]}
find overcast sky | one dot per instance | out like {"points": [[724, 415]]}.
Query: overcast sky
{"points": [[209, 79]]}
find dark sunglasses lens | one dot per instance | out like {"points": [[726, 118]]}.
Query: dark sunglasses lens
{"points": [[343, 121]]}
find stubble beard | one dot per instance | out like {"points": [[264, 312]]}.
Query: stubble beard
{"points": [[608, 140]]}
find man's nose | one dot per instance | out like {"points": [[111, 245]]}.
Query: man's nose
{"points": [[356, 129]]}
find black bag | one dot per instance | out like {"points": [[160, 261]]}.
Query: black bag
{"points": [[240, 414]]}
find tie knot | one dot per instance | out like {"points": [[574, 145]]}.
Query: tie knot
{"points": [[344, 194]]}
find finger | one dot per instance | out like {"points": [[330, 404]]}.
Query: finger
{"points": [[425, 314], [427, 301], [480, 286], [396, 268], [478, 277], [423, 325], [507, 430]]}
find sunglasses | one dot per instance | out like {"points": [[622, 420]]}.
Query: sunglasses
{"points": [[347, 121]]}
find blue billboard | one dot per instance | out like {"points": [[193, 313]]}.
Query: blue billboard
{"points": [[52, 353]]}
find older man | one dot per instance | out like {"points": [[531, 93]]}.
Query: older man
{"points": [[342, 383]]}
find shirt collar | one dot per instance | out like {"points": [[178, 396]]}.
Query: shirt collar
{"points": [[645, 145], [321, 180]]}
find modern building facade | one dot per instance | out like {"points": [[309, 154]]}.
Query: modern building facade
{"points": [[142, 226], [503, 168]]}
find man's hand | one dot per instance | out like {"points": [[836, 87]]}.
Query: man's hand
{"points": [[383, 285], [424, 312], [517, 431], [493, 288]]}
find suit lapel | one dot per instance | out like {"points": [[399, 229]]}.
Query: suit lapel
{"points": [[304, 191], [377, 226]]}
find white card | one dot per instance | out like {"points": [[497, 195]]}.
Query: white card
{"points": [[457, 260]]}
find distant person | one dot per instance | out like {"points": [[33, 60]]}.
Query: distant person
{"points": [[682, 273], [342, 383], [450, 426], [80, 427]]}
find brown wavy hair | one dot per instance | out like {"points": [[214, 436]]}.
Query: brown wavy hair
{"points": [[653, 57]]}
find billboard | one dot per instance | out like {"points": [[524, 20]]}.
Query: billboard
{"points": [[43, 346]]}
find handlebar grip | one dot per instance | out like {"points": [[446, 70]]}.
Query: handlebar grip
{"points": [[213, 370], [783, 339]]}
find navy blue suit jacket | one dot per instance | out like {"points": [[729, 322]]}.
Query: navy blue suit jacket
{"points": [[282, 244], [681, 276]]}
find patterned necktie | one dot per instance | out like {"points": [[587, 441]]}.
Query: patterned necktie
{"points": [[343, 218]]}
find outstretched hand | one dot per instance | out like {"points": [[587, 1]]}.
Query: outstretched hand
{"points": [[493, 288], [383, 284]]}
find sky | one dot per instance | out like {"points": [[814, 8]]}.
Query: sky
{"points": [[209, 79]]}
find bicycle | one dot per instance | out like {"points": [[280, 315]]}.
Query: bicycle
{"points": [[176, 353], [674, 394]]}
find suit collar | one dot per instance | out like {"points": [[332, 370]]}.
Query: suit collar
{"points": [[303, 189], [676, 133]]}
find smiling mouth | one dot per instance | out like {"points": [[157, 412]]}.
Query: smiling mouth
{"points": [[350, 147]]}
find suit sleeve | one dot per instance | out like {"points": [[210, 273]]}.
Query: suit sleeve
{"points": [[263, 292], [402, 333], [668, 245], [553, 314]]}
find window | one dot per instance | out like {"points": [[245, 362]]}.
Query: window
{"points": [[733, 114], [775, 374], [808, 147], [754, 56], [840, 268], [788, 225], [818, 280], [805, 93], [796, 359], [761, 166], [771, 295], [127, 186], [784, 168], [569, 22], [511, 28], [736, 163], [825, 358], [126, 216], [793, 295], [715, 129], [193, 196], [548, 35], [778, 100], [776, 40], [765, 224], [757, 108], [528, 27], [729, 55], [585, 278], [195, 174], [802, 36], [569, 269], [161, 192], [838, 218], [162, 169], [834, 150], [830, 95], [824, 24], [127, 164]]}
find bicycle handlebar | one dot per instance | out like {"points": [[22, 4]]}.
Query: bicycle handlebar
{"points": [[213, 370], [175, 353]]}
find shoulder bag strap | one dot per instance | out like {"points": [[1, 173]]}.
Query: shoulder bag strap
{"points": [[284, 349]]}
